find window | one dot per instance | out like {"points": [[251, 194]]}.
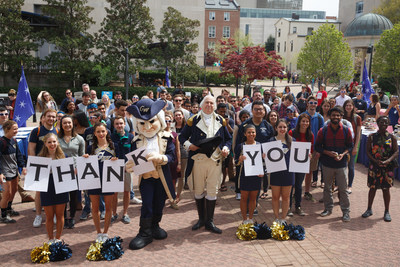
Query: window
{"points": [[211, 15], [315, 17], [226, 32], [211, 31], [294, 29], [279, 32], [284, 47], [359, 7], [247, 29], [227, 16], [309, 30], [291, 46], [279, 47], [211, 45]]}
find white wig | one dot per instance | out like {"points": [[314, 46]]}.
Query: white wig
{"points": [[208, 96]]}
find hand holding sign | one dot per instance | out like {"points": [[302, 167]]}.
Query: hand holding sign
{"points": [[253, 160], [141, 165], [37, 176]]}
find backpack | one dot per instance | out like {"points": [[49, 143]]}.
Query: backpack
{"points": [[325, 129]]}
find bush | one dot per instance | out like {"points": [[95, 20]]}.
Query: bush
{"points": [[213, 77], [387, 86]]}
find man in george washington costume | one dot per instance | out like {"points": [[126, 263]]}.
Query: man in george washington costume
{"points": [[154, 186], [207, 139]]}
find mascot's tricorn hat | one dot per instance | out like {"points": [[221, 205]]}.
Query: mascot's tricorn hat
{"points": [[146, 109], [207, 146]]}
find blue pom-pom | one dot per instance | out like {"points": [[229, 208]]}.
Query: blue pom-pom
{"points": [[112, 248], [296, 232], [262, 230], [59, 251]]}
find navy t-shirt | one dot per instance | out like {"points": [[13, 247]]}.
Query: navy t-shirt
{"points": [[37, 138]]}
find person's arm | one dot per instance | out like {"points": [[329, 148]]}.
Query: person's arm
{"points": [[395, 151], [33, 139], [178, 154], [378, 110], [81, 149], [357, 141], [369, 151]]}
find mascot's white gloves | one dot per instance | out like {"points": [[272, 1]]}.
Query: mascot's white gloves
{"points": [[157, 158], [129, 166], [225, 151]]}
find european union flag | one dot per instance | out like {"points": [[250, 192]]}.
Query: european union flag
{"points": [[23, 109], [366, 85], [167, 81]]}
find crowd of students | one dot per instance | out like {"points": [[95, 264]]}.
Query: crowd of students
{"points": [[93, 126]]}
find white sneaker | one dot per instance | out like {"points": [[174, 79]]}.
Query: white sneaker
{"points": [[99, 237], [104, 238], [250, 221], [38, 221], [238, 196], [135, 200]]}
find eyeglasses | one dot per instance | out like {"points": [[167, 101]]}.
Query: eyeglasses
{"points": [[289, 111], [313, 102], [168, 121], [358, 94], [68, 93], [135, 97], [92, 117], [178, 100], [273, 91], [11, 95], [3, 114], [343, 91]]}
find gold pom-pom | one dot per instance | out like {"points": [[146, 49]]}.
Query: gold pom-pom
{"points": [[278, 232], [246, 232], [94, 252], [40, 254]]}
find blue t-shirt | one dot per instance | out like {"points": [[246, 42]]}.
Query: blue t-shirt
{"points": [[37, 138], [393, 116]]}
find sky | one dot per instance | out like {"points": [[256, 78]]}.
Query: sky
{"points": [[330, 6]]}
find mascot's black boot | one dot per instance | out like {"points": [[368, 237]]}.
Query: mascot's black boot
{"points": [[144, 237], [210, 207], [201, 211], [157, 231]]}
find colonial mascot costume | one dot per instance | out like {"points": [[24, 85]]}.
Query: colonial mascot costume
{"points": [[154, 186]]}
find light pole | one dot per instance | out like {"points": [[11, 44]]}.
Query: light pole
{"points": [[370, 50], [126, 73]]}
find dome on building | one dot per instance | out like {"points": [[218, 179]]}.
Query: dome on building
{"points": [[368, 24]]}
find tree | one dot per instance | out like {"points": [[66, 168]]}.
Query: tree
{"points": [[211, 57], [386, 61], [326, 55], [252, 63], [390, 9], [16, 39], [73, 43], [127, 25], [176, 36], [270, 44]]}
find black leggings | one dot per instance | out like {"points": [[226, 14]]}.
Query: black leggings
{"points": [[73, 201]]}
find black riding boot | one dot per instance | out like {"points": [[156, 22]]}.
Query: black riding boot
{"points": [[144, 237], [157, 231], [201, 211], [210, 207]]}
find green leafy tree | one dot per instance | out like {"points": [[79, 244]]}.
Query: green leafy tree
{"points": [[326, 55], [390, 9], [386, 61], [73, 43], [16, 39], [176, 36], [127, 26]]}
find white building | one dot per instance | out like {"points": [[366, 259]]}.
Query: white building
{"points": [[290, 37], [351, 9]]}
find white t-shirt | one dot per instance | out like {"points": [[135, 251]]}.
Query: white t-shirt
{"points": [[340, 100]]}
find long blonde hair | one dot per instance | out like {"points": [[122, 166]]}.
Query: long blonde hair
{"points": [[45, 152]]}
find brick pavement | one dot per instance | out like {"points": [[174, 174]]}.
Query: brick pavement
{"points": [[329, 241]]}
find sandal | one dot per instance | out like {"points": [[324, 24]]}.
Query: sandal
{"points": [[223, 188], [264, 195], [314, 184]]}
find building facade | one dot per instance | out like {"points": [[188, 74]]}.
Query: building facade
{"points": [[275, 4], [290, 37], [351, 9]]}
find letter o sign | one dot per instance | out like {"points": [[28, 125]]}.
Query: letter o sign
{"points": [[275, 154]]}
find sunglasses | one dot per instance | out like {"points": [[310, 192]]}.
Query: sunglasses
{"points": [[135, 97], [358, 94], [168, 121], [11, 95], [313, 102], [178, 100], [3, 114], [68, 93]]}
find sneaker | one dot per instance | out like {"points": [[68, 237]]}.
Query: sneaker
{"points": [[308, 196], [13, 213], [326, 213], [346, 217], [38, 221], [7, 219], [51, 241], [135, 200], [114, 218], [255, 212], [125, 219], [186, 187], [387, 217], [238, 196], [300, 212], [99, 237], [367, 213], [104, 238], [174, 205], [290, 213], [84, 216], [102, 215]]}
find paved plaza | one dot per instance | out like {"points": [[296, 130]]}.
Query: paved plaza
{"points": [[329, 241]]}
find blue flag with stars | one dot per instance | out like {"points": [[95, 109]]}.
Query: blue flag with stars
{"points": [[366, 85], [23, 109], [167, 81]]}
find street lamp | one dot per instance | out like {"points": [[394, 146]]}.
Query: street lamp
{"points": [[370, 50]]}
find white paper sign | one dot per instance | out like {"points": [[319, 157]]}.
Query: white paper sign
{"points": [[139, 158], [274, 156], [37, 176], [253, 163], [299, 157], [64, 175], [88, 173], [113, 176]]}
